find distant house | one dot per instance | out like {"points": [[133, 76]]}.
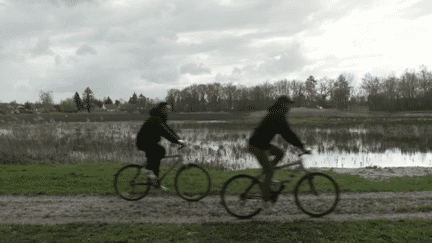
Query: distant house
{"points": [[109, 107]]}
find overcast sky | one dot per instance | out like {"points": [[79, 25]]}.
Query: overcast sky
{"points": [[119, 47]]}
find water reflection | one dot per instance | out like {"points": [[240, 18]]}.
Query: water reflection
{"points": [[393, 158]]}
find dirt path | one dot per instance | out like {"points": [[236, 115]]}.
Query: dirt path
{"points": [[172, 209]]}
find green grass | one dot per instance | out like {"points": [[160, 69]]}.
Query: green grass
{"points": [[97, 178], [413, 230]]}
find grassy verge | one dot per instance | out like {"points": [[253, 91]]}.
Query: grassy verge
{"points": [[97, 178], [417, 230]]}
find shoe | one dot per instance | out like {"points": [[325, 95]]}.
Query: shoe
{"points": [[274, 183], [148, 173], [265, 205], [160, 188], [268, 205]]}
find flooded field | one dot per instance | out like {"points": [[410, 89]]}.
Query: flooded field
{"points": [[349, 146]]}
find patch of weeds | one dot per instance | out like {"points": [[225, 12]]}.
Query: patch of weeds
{"points": [[404, 209], [427, 208], [380, 209], [371, 167]]}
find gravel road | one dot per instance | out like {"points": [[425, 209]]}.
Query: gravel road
{"points": [[173, 209]]}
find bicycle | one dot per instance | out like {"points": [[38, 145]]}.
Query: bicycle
{"points": [[307, 192], [188, 177]]}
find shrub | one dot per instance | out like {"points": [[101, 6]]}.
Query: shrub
{"points": [[67, 107]]}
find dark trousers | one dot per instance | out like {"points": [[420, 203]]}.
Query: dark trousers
{"points": [[267, 165], [154, 153]]}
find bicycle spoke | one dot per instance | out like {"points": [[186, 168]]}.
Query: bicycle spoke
{"points": [[317, 195], [241, 197], [192, 182], [130, 184]]}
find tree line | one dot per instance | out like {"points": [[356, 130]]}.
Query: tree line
{"points": [[87, 103], [411, 91], [312, 93]]}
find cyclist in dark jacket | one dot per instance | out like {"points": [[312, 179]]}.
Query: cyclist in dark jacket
{"points": [[149, 136], [275, 122]]}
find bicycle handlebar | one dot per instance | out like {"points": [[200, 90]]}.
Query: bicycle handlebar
{"points": [[305, 152]]}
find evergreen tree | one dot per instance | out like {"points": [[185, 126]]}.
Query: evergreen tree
{"points": [[78, 102], [88, 98], [108, 101], [133, 99]]}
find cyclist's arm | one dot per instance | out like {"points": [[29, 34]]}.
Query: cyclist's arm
{"points": [[289, 135], [169, 134]]}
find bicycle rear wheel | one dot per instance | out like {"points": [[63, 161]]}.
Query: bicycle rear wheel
{"points": [[192, 182], [316, 194], [241, 196], [130, 184]]}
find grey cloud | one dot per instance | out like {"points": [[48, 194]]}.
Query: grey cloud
{"points": [[164, 74], [290, 60], [42, 48], [223, 78], [236, 70], [417, 10], [85, 49], [194, 69], [102, 80], [58, 59]]}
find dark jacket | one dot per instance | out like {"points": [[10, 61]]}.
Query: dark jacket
{"points": [[272, 124], [152, 130]]}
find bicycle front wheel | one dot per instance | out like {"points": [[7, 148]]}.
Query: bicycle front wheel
{"points": [[316, 194], [241, 196], [130, 184], [192, 182]]}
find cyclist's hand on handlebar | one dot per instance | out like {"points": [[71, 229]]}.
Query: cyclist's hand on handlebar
{"points": [[307, 151]]}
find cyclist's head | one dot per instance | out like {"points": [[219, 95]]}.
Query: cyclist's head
{"points": [[282, 104], [160, 110]]}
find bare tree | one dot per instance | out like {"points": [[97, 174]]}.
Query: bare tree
{"points": [[298, 89], [310, 91], [46, 98], [282, 87], [229, 91], [425, 80], [325, 88], [341, 93], [267, 90]]}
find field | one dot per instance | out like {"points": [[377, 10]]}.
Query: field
{"points": [[217, 144], [64, 155]]}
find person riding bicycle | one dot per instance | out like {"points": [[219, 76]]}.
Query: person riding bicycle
{"points": [[275, 122], [148, 139]]}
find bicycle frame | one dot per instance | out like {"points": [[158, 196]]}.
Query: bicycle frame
{"points": [[275, 194], [177, 162], [301, 168]]}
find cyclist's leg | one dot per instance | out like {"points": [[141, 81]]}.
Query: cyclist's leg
{"points": [[262, 156], [277, 152], [154, 156]]}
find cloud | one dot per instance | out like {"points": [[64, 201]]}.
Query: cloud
{"points": [[58, 59], [163, 75], [236, 71], [278, 63], [85, 49], [194, 69], [42, 48], [146, 46]]}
